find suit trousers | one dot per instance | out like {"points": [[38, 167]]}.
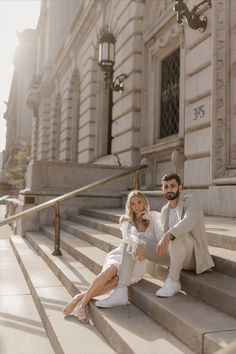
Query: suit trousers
{"points": [[180, 256]]}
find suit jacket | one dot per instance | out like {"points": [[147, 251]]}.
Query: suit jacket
{"points": [[191, 224]]}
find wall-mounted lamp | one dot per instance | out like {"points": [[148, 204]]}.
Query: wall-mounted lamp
{"points": [[106, 60], [191, 17]]}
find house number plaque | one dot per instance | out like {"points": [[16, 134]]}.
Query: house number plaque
{"points": [[199, 112]]}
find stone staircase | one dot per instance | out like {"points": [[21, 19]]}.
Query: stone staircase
{"points": [[200, 319]]}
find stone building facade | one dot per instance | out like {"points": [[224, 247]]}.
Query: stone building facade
{"points": [[177, 110], [18, 115]]}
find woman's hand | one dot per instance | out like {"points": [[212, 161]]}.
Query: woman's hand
{"points": [[140, 214], [124, 218], [139, 253]]}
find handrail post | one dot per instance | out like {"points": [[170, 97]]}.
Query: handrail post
{"points": [[136, 180], [57, 251]]}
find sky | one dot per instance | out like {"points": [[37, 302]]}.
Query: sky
{"points": [[15, 15]]}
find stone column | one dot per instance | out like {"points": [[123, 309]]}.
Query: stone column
{"points": [[148, 173], [32, 102], [44, 124], [177, 157]]}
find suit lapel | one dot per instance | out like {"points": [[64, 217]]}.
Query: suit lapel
{"points": [[165, 213], [180, 207], [165, 217]]}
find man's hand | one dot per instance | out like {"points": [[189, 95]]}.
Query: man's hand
{"points": [[162, 246], [139, 253]]}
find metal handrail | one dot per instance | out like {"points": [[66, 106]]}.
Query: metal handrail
{"points": [[56, 201]]}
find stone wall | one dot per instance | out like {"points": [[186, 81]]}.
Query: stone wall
{"points": [[18, 115], [71, 92]]}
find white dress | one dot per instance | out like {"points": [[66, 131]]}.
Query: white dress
{"points": [[129, 236]]}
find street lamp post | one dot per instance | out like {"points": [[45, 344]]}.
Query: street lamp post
{"points": [[106, 61]]}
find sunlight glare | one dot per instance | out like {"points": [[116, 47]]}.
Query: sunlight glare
{"points": [[15, 16]]}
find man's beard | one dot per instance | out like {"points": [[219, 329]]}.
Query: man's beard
{"points": [[172, 196]]}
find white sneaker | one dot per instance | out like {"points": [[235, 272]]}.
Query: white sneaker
{"points": [[118, 298], [170, 288]]}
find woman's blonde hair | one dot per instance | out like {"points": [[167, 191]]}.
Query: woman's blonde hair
{"points": [[129, 211]]}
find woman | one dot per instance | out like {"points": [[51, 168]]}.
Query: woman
{"points": [[137, 222]]}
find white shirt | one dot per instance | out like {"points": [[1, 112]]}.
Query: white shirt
{"points": [[173, 218]]}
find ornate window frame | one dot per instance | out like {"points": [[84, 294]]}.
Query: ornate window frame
{"points": [[159, 46]]}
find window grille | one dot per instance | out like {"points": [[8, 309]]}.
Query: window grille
{"points": [[170, 70]]}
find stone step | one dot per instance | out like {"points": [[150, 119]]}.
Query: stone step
{"points": [[104, 241], [200, 326], [112, 215], [127, 328], [221, 231], [205, 326], [89, 255], [221, 240], [18, 311], [225, 260], [214, 288], [102, 225], [50, 296]]}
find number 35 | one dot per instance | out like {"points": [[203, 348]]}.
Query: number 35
{"points": [[198, 112]]}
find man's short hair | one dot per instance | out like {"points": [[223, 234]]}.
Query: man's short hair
{"points": [[169, 176]]}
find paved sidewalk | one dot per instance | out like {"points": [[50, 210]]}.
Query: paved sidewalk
{"points": [[5, 231], [21, 329]]}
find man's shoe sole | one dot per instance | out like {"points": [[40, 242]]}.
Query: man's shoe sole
{"points": [[167, 295]]}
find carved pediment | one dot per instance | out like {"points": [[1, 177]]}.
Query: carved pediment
{"points": [[163, 40]]}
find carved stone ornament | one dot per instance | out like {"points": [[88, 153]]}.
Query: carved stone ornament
{"points": [[220, 104], [158, 42], [33, 102]]}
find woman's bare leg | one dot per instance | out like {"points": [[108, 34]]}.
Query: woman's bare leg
{"points": [[104, 282], [104, 289], [110, 285]]}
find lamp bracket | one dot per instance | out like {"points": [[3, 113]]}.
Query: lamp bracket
{"points": [[191, 17], [117, 83]]}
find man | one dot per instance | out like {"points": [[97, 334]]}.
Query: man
{"points": [[183, 245]]}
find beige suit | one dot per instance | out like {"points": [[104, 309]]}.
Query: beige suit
{"points": [[191, 226]]}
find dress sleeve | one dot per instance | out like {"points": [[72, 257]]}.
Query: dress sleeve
{"points": [[125, 228], [130, 236]]}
